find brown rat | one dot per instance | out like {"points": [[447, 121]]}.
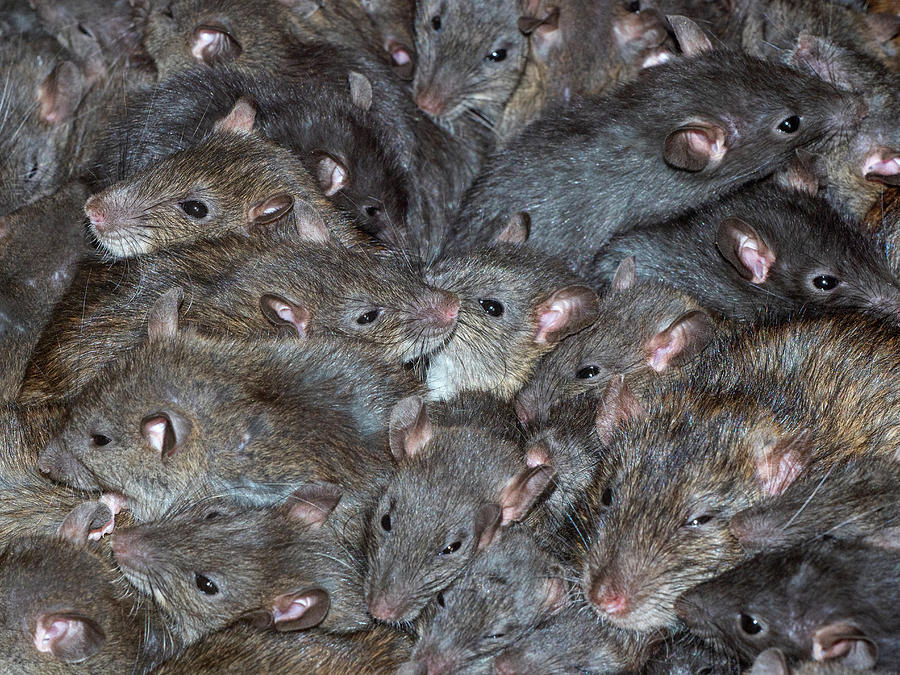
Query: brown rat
{"points": [[453, 490], [827, 600], [720, 138], [515, 305]]}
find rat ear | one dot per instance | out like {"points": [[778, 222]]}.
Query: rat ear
{"points": [[68, 637], [410, 428], [313, 504], [522, 492], [403, 61], [331, 174], [690, 36], [516, 231], [779, 460], [165, 432], [618, 405], [86, 522], [770, 662], [626, 275], [162, 324], [695, 146], [212, 44], [742, 246], [299, 611], [683, 339], [846, 644], [487, 522], [544, 32], [240, 119], [565, 312], [280, 312], [61, 92], [360, 90], [883, 166], [269, 210]]}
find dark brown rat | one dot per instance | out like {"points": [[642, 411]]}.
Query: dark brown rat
{"points": [[453, 490], [827, 600], [593, 156], [302, 568], [515, 305], [762, 253]]}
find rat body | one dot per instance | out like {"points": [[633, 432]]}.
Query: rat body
{"points": [[763, 253]]}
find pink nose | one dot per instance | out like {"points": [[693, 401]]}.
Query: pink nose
{"points": [[94, 210], [381, 607], [608, 599], [430, 102]]}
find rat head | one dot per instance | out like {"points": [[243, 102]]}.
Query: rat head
{"points": [[231, 182], [470, 57], [37, 122], [204, 574], [800, 600], [61, 608], [454, 489], [659, 525], [515, 305], [641, 328], [504, 594]]}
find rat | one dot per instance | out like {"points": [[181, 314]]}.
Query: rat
{"points": [[698, 141], [504, 594], [453, 490], [684, 654], [772, 661], [825, 600], [63, 612], [299, 570], [853, 499], [240, 285], [762, 253], [515, 305], [233, 181], [643, 329], [883, 220], [159, 427], [243, 649]]}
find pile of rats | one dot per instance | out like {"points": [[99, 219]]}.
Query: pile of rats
{"points": [[495, 337]]}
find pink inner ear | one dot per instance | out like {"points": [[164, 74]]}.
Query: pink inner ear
{"points": [[46, 636], [293, 611], [206, 40], [775, 478], [290, 315], [155, 432], [703, 144], [755, 260], [336, 180]]}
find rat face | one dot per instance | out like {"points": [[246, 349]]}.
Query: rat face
{"points": [[470, 57]]}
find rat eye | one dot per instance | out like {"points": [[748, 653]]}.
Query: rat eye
{"points": [[789, 125], [750, 625], [194, 209], [440, 599], [372, 211], [100, 440], [699, 521], [368, 317], [452, 548], [386, 522], [607, 497], [492, 307], [205, 584], [436, 23], [497, 55], [825, 282], [84, 31], [212, 514], [587, 372]]}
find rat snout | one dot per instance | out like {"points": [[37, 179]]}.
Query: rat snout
{"points": [[442, 309], [387, 607], [430, 101], [750, 531], [609, 599], [130, 550], [97, 212]]}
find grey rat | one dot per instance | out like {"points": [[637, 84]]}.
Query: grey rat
{"points": [[158, 427], [762, 253], [717, 140], [302, 568], [682, 653], [504, 594], [772, 661], [826, 600], [515, 305], [453, 490]]}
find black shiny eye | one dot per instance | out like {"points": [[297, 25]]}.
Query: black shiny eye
{"points": [[100, 440], [587, 372], [750, 625], [452, 548], [205, 584], [497, 55], [212, 514], [699, 520], [368, 317], [386, 522], [825, 282], [372, 211], [194, 209], [84, 31], [496, 636], [492, 307], [440, 599], [789, 125], [607, 497], [436, 23]]}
